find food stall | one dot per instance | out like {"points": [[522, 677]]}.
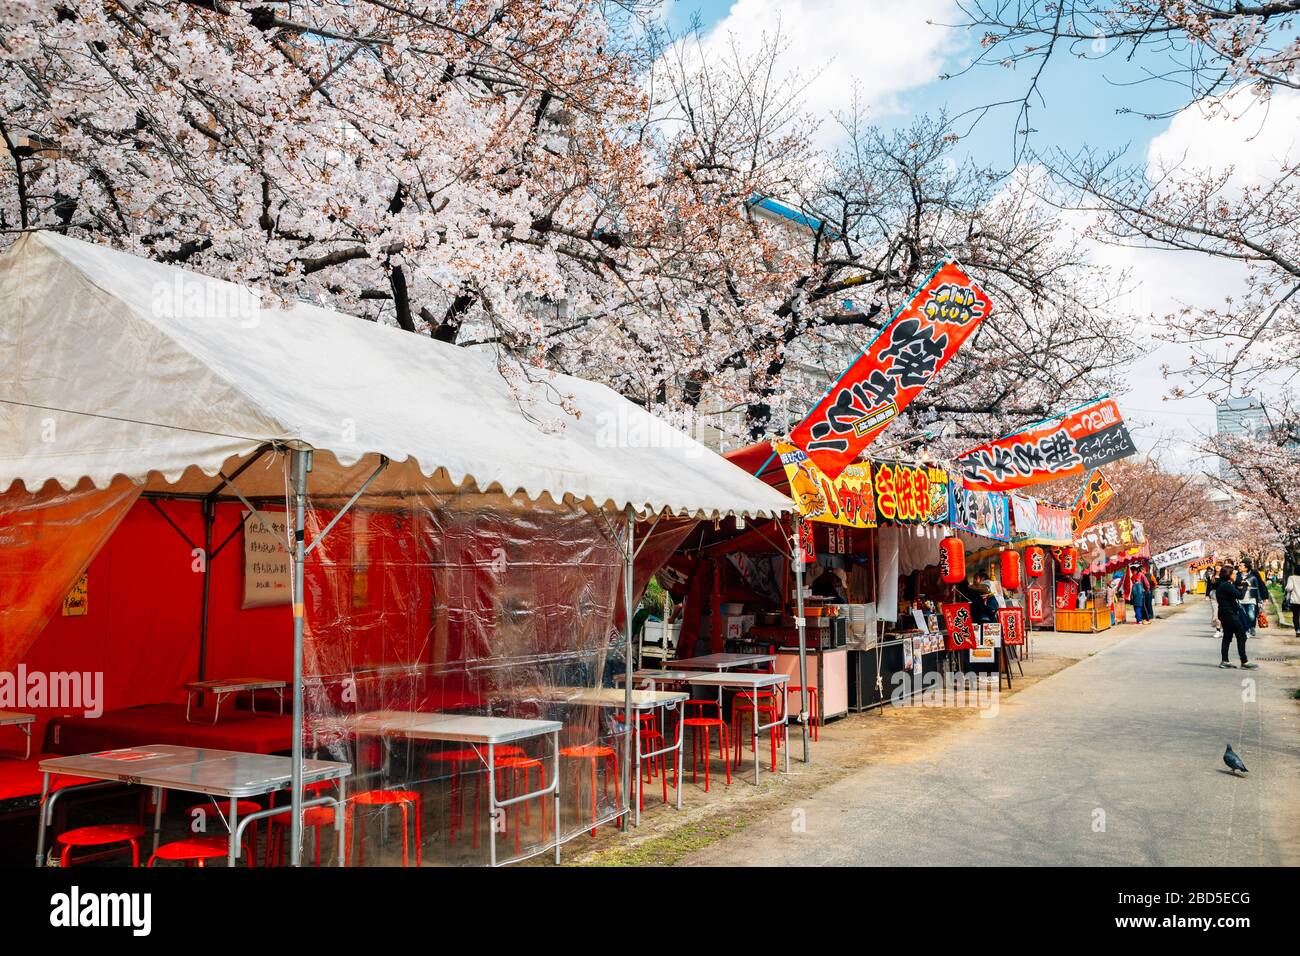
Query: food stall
{"points": [[372, 518], [1104, 550]]}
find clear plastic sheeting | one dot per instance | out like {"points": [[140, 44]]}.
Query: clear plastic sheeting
{"points": [[49, 538], [431, 603]]}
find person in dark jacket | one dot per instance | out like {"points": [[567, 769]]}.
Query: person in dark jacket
{"points": [[1229, 595], [1256, 591]]}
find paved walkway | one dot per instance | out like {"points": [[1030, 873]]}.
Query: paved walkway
{"points": [[1114, 761]]}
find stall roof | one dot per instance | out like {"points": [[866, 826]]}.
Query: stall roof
{"points": [[111, 364]]}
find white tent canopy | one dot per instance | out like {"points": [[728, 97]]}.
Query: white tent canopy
{"points": [[111, 364]]}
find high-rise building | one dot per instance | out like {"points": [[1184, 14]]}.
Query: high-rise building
{"points": [[1240, 416]]}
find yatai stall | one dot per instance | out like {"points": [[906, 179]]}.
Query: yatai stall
{"points": [[332, 559]]}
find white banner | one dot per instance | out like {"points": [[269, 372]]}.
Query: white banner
{"points": [[1184, 552]]}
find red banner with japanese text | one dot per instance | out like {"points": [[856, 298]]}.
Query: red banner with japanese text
{"points": [[1068, 445], [1095, 495], [1012, 620], [960, 626], [901, 361], [1036, 598]]}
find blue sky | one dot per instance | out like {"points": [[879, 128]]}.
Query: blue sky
{"points": [[887, 47]]}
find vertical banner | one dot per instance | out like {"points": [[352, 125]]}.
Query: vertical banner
{"points": [[1095, 495], [960, 627], [807, 543], [1036, 598], [1012, 620], [898, 364], [1067, 445]]}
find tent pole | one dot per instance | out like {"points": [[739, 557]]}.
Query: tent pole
{"points": [[797, 557], [630, 728], [301, 464], [209, 517]]}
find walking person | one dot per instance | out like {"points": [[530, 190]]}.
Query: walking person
{"points": [[1291, 597], [1137, 595], [1256, 591], [1149, 584], [1228, 597]]}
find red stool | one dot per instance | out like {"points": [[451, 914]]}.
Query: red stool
{"points": [[653, 740], [315, 819], [455, 759], [402, 799], [701, 721], [107, 835], [195, 850], [202, 813], [814, 712], [762, 710], [594, 754], [517, 764]]}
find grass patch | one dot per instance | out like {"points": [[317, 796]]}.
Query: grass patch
{"points": [[669, 849]]}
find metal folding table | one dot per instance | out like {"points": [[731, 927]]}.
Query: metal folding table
{"points": [[642, 700], [748, 685], [223, 688], [723, 662], [217, 773], [477, 731], [16, 718]]}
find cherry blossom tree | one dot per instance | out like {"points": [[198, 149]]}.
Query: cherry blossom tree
{"points": [[549, 179]]}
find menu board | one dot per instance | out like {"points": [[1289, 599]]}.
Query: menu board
{"points": [[267, 564]]}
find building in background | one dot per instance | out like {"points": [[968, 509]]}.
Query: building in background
{"points": [[1240, 416]]}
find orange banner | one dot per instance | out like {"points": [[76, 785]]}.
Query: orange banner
{"points": [[1067, 445], [1095, 495], [898, 364]]}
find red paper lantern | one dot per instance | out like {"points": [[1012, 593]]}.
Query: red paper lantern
{"points": [[1035, 561], [952, 560], [1011, 570], [1068, 558]]}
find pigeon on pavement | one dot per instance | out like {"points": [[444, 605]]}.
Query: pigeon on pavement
{"points": [[1233, 761]]}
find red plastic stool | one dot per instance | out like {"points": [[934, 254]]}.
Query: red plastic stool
{"points": [[204, 813], [703, 722], [814, 712], [105, 835], [517, 764], [195, 850], [315, 819], [402, 799], [653, 740], [455, 759], [767, 712], [594, 754]]}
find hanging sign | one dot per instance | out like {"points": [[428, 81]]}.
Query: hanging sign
{"points": [[1112, 544], [905, 493], [1184, 552], [1095, 495], [986, 513], [807, 543], [1067, 445], [1037, 601], [1012, 620], [1034, 521], [960, 627], [76, 601], [898, 364], [267, 570], [845, 500]]}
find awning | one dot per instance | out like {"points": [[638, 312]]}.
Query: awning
{"points": [[111, 364]]}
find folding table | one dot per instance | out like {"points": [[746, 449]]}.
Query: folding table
{"points": [[216, 773], [16, 718], [642, 700], [748, 685], [476, 731], [723, 662], [225, 687]]}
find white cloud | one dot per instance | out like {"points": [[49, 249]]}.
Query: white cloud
{"points": [[883, 46]]}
